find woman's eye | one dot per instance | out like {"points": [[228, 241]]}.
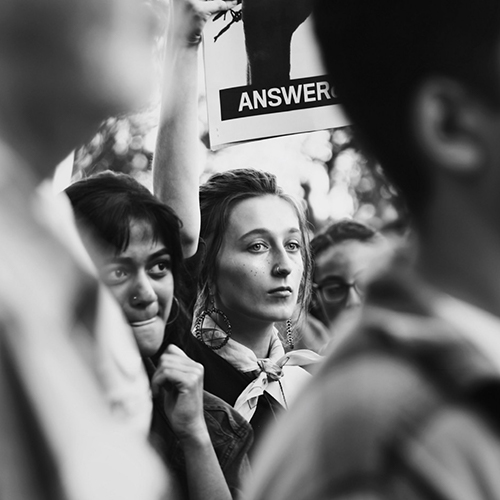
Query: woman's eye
{"points": [[258, 247], [115, 276], [293, 246], [160, 269]]}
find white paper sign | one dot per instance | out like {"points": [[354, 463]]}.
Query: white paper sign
{"points": [[262, 84]]}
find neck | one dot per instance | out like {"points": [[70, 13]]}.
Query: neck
{"points": [[256, 335], [460, 251], [259, 344]]}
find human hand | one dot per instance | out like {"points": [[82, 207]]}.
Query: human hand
{"points": [[182, 397], [190, 17]]}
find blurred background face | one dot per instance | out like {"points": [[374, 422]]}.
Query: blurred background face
{"points": [[263, 232], [340, 276]]}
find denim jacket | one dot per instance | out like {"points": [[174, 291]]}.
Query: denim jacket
{"points": [[230, 433]]}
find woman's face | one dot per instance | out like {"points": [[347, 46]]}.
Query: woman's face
{"points": [[262, 234], [141, 280]]}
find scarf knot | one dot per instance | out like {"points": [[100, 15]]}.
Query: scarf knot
{"points": [[266, 371], [273, 371]]}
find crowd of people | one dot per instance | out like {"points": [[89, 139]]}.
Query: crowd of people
{"points": [[200, 341]]}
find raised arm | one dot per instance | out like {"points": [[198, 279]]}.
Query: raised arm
{"points": [[176, 166]]}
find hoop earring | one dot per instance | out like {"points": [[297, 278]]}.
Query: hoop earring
{"points": [[198, 327], [170, 321], [289, 334]]}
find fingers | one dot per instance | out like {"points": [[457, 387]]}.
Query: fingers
{"points": [[182, 397], [173, 349], [176, 369]]}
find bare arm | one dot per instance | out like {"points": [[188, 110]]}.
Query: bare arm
{"points": [[176, 167]]}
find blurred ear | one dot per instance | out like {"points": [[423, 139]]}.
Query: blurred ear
{"points": [[448, 122]]}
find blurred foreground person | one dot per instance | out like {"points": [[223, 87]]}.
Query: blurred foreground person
{"points": [[65, 431], [407, 405]]}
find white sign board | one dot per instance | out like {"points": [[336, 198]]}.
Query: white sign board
{"points": [[261, 84]]}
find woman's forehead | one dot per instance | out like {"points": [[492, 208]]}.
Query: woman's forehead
{"points": [[269, 212], [144, 232]]}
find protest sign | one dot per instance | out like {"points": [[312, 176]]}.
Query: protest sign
{"points": [[263, 82]]}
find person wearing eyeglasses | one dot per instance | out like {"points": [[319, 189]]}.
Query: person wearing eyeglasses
{"points": [[345, 253]]}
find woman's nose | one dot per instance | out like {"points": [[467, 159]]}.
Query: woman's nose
{"points": [[281, 270], [283, 266], [142, 292]]}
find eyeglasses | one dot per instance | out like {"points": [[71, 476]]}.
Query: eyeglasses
{"points": [[336, 290]]}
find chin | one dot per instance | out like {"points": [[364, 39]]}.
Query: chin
{"points": [[283, 316], [149, 338]]}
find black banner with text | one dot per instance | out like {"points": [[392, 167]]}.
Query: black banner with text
{"points": [[303, 93]]}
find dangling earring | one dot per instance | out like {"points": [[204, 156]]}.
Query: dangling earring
{"points": [[198, 328], [289, 334], [176, 302]]}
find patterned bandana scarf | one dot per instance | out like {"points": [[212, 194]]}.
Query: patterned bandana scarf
{"points": [[269, 372]]}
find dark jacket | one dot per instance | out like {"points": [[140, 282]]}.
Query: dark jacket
{"points": [[230, 433]]}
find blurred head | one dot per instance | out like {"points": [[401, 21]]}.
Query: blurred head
{"points": [[345, 254], [134, 241], [66, 65], [420, 81], [257, 257]]}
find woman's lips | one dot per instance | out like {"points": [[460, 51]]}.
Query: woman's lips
{"points": [[282, 291], [143, 322]]}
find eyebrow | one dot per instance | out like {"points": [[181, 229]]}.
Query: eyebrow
{"points": [[160, 253], [261, 230]]}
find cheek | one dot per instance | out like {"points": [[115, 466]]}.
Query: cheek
{"points": [[298, 270], [333, 310], [300, 266], [165, 290], [240, 277]]}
